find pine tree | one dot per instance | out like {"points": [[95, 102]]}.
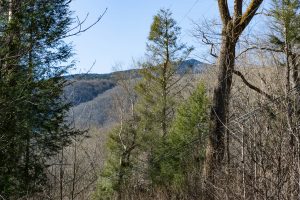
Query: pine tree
{"points": [[182, 157], [160, 88], [149, 124], [285, 37], [160, 83], [33, 113]]}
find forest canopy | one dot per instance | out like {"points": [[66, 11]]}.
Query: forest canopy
{"points": [[212, 118]]}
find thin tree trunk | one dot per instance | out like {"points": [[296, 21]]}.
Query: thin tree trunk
{"points": [[294, 61], [61, 174], [243, 163], [288, 86], [74, 171], [10, 10]]}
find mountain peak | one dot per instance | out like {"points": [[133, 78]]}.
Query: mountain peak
{"points": [[192, 65]]}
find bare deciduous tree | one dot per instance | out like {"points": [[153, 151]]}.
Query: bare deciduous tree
{"points": [[233, 26]]}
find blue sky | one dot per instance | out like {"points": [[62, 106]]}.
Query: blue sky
{"points": [[122, 33]]}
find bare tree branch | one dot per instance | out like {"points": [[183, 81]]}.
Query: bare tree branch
{"points": [[248, 15], [277, 50], [258, 90], [238, 9], [205, 40], [79, 25], [224, 11]]}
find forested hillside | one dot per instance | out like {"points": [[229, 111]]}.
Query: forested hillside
{"points": [[91, 95], [211, 118]]}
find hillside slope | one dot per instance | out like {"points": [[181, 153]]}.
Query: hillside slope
{"points": [[92, 94]]}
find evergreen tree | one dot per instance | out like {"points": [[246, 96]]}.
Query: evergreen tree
{"points": [[33, 113], [118, 173], [159, 90], [181, 158], [160, 83], [149, 124], [286, 22], [285, 37]]}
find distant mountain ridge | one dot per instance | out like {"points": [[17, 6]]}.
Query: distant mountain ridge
{"points": [[190, 65], [92, 94], [85, 87], [193, 66]]}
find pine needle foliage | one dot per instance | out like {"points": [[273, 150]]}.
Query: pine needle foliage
{"points": [[33, 114]]}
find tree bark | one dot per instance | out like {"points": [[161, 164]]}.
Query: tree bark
{"points": [[232, 29], [216, 143], [294, 60]]}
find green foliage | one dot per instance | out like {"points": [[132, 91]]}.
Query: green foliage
{"points": [[286, 23], [183, 153], [140, 140], [160, 89], [160, 84], [32, 116], [104, 190], [119, 166]]}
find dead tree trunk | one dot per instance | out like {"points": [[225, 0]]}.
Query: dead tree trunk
{"points": [[232, 29]]}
